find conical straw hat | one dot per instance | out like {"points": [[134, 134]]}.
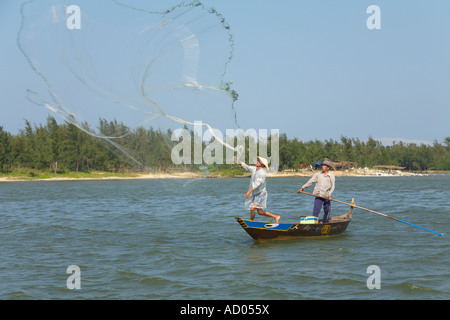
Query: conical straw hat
{"points": [[264, 162]]}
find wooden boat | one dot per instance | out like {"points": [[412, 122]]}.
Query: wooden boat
{"points": [[259, 230]]}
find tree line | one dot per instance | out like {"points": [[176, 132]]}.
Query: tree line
{"points": [[368, 153], [64, 147]]}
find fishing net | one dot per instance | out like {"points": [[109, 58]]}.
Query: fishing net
{"points": [[121, 71]]}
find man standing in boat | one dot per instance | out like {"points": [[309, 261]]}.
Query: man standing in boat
{"points": [[256, 196], [325, 183]]}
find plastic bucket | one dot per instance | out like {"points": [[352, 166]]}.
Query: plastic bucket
{"points": [[308, 219]]}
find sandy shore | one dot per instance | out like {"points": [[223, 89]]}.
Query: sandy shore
{"points": [[194, 175], [181, 175], [354, 173]]}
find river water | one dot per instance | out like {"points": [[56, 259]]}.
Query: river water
{"points": [[178, 239]]}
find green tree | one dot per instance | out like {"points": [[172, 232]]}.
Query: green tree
{"points": [[5, 149], [54, 141]]}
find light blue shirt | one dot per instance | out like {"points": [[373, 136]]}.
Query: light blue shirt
{"points": [[324, 184], [258, 184], [258, 178]]}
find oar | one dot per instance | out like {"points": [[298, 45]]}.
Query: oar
{"points": [[379, 213]]}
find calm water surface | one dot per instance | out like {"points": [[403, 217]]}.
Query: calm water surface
{"points": [[178, 239]]}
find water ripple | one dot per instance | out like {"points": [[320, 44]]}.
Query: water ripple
{"points": [[153, 239]]}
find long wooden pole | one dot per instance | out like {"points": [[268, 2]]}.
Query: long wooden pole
{"points": [[379, 213]]}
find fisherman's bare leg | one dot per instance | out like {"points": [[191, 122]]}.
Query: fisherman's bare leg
{"points": [[268, 214], [252, 210], [252, 213]]}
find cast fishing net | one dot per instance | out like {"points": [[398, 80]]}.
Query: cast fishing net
{"points": [[121, 71]]}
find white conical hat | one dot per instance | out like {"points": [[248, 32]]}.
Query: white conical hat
{"points": [[264, 162]]}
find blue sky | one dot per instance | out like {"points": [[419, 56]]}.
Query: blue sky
{"points": [[311, 69]]}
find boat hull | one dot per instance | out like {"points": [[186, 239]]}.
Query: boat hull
{"points": [[265, 230]]}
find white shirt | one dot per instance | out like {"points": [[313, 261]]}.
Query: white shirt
{"points": [[324, 184], [258, 178]]}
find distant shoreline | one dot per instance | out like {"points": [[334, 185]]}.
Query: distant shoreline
{"points": [[104, 176], [198, 175], [361, 173]]}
